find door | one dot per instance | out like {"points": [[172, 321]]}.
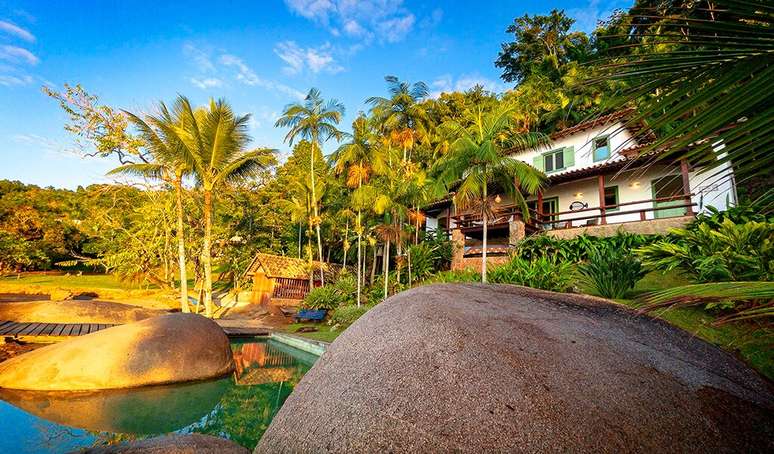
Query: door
{"points": [[667, 187], [550, 205]]}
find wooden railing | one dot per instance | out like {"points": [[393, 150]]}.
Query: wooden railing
{"points": [[542, 221], [290, 288]]}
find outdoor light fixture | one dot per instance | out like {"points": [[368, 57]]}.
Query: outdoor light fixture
{"points": [[635, 184], [578, 195], [498, 199]]}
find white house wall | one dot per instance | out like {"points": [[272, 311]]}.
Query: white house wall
{"points": [[619, 137]]}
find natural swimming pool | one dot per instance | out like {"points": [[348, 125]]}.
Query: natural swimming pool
{"points": [[239, 407]]}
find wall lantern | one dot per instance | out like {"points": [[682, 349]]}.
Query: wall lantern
{"points": [[635, 184], [498, 199], [578, 195]]}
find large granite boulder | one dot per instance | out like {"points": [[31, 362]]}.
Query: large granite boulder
{"points": [[499, 368], [172, 444], [167, 349], [75, 311]]}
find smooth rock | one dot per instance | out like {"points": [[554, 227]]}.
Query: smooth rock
{"points": [[75, 311], [499, 368], [173, 444], [167, 349]]}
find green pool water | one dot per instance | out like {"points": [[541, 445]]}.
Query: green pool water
{"points": [[239, 407]]}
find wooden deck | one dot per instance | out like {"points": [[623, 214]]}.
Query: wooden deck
{"points": [[53, 332]]}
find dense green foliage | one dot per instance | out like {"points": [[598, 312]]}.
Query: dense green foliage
{"points": [[544, 273], [612, 272], [580, 248], [731, 252]]}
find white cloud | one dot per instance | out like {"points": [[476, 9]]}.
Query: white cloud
{"points": [[50, 147], [15, 30], [247, 76], [199, 57], [206, 83], [16, 54], [384, 20], [394, 30], [448, 84], [9, 81], [298, 58]]}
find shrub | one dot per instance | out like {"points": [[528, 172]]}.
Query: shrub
{"points": [[612, 272], [433, 254], [731, 252], [346, 315], [543, 272], [445, 277], [580, 248], [322, 298], [339, 293]]}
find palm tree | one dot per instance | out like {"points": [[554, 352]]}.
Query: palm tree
{"points": [[478, 158], [216, 140], [315, 120], [699, 71], [402, 116], [361, 159], [171, 163]]}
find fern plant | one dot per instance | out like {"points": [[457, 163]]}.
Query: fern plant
{"points": [[612, 272]]}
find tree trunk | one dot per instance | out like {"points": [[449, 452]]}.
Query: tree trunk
{"points": [[386, 265], [346, 248], [359, 265], [314, 208], [373, 265], [206, 253], [299, 240], [483, 252], [181, 249]]}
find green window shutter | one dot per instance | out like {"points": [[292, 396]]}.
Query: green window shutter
{"points": [[537, 162], [569, 157]]}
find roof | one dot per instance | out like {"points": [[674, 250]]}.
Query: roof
{"points": [[288, 267], [626, 114]]}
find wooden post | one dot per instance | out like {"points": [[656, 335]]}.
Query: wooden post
{"points": [[540, 205], [601, 180], [686, 186]]}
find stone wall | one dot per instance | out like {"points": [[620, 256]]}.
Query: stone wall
{"points": [[474, 263], [651, 227]]}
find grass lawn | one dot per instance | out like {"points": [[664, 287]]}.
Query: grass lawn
{"points": [[323, 333], [753, 343], [83, 282]]}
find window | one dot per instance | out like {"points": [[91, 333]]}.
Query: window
{"points": [[601, 148], [553, 161], [611, 197]]}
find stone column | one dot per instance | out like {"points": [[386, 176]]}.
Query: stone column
{"points": [[458, 249], [516, 231]]}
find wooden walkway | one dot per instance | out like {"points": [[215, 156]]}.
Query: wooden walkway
{"points": [[19, 329], [52, 332]]}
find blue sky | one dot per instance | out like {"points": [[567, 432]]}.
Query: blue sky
{"points": [[259, 55]]}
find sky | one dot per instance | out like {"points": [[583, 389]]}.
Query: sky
{"points": [[259, 55]]}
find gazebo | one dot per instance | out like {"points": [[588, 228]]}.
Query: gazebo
{"points": [[284, 280]]}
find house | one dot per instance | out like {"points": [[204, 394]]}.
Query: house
{"points": [[284, 280], [598, 183]]}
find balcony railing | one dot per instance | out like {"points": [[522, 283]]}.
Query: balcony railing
{"points": [[592, 216]]}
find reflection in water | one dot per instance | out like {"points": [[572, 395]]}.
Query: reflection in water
{"points": [[240, 407]]}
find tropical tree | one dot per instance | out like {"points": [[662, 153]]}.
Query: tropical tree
{"points": [[360, 158], [402, 117], [170, 163], [479, 158], [314, 120], [216, 140], [700, 73]]}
